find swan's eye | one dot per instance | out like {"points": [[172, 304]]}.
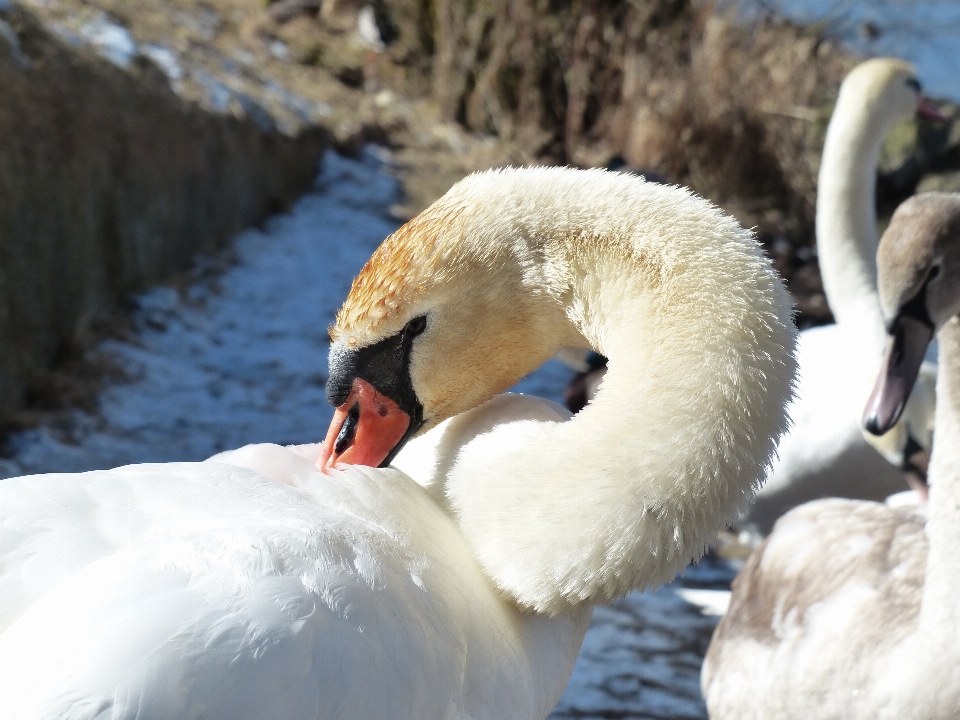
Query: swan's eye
{"points": [[913, 84], [934, 271], [415, 326]]}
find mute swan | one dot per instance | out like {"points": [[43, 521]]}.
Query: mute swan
{"points": [[253, 585], [825, 453], [849, 609]]}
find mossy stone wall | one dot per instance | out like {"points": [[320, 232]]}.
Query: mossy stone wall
{"points": [[108, 182]]}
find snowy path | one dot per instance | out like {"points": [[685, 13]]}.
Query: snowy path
{"points": [[240, 357]]}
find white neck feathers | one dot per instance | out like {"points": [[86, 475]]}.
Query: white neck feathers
{"points": [[943, 526], [846, 221], [698, 331]]}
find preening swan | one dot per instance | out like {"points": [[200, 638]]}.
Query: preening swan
{"points": [[825, 453], [253, 585], [849, 609]]}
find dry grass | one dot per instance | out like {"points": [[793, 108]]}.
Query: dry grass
{"points": [[736, 113]]}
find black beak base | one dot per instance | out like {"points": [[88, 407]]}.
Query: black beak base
{"points": [[909, 337], [386, 366]]}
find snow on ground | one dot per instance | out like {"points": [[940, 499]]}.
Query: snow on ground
{"points": [[240, 356], [642, 654]]}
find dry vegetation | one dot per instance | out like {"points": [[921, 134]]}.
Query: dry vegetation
{"points": [[674, 87], [671, 86], [736, 113]]}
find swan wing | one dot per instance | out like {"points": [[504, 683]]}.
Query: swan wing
{"points": [[208, 590]]}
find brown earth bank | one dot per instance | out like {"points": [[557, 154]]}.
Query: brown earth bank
{"points": [[676, 88]]}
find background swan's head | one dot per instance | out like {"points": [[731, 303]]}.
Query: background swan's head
{"points": [[918, 265], [887, 90]]}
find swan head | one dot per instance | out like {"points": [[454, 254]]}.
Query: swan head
{"points": [[440, 319], [889, 91], [918, 263]]}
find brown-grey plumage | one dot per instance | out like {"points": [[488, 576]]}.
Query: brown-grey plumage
{"points": [[850, 608]]}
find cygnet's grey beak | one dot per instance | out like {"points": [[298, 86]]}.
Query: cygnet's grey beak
{"points": [[906, 345]]}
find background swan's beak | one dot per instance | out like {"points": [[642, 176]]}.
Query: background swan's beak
{"points": [[928, 111], [908, 342], [365, 429]]}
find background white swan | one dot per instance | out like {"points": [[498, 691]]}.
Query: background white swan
{"points": [[254, 586], [849, 609], [825, 453]]}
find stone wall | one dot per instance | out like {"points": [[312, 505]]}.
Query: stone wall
{"points": [[108, 182]]}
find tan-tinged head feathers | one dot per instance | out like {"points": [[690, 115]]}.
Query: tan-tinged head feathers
{"points": [[395, 277]]}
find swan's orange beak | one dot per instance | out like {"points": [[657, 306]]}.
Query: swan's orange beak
{"points": [[365, 429]]}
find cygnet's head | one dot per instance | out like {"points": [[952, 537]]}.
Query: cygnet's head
{"points": [[918, 264], [919, 259]]}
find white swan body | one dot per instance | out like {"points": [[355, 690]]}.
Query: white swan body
{"points": [[254, 586], [849, 609], [825, 453]]}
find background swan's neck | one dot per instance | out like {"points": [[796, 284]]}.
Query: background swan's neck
{"points": [[846, 211], [699, 338], [942, 586]]}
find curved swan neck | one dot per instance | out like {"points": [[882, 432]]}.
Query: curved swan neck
{"points": [[943, 526], [846, 220], [700, 340]]}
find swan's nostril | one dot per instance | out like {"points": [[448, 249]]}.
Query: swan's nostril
{"points": [[348, 430]]}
